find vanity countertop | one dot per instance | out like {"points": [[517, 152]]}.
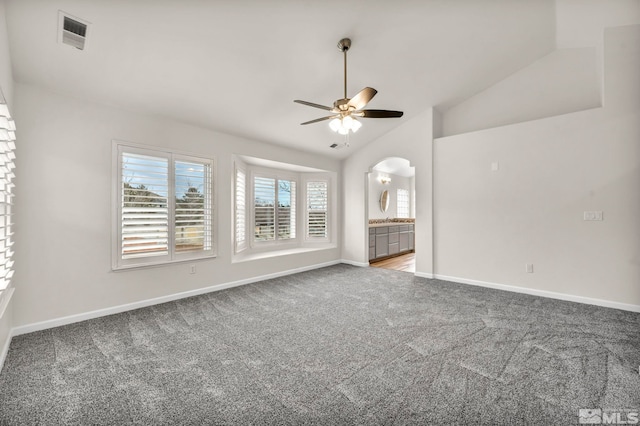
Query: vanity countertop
{"points": [[376, 223]]}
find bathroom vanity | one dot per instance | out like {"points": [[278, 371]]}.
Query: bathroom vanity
{"points": [[390, 239]]}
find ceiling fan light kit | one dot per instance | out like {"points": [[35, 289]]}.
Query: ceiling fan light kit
{"points": [[343, 125], [345, 110]]}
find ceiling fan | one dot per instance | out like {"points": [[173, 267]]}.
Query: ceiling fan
{"points": [[345, 111]]}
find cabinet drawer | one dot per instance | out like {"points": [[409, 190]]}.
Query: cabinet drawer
{"points": [[393, 238], [402, 228], [382, 230], [393, 229], [372, 240], [372, 231]]}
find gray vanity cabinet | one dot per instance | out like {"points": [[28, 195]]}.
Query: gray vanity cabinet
{"points": [[385, 241]]}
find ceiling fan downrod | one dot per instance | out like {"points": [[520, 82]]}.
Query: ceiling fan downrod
{"points": [[344, 46]]}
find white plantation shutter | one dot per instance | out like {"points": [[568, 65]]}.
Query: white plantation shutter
{"points": [[7, 165], [264, 194], [286, 209], [241, 209], [145, 211], [317, 209], [193, 211], [165, 208], [403, 203]]}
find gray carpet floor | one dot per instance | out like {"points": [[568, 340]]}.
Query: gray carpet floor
{"points": [[338, 345]]}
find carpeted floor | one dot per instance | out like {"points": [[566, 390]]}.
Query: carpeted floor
{"points": [[338, 345]]}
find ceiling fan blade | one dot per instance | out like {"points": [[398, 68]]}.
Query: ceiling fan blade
{"points": [[378, 113], [319, 119], [311, 104], [362, 98]]}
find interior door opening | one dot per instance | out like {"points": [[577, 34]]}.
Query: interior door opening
{"points": [[391, 215]]}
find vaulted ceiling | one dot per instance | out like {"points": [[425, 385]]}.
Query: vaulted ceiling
{"points": [[237, 65]]}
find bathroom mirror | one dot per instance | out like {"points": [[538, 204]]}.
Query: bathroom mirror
{"points": [[384, 200]]}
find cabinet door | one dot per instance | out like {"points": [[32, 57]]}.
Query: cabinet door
{"points": [[404, 241], [393, 248], [382, 245], [411, 241]]}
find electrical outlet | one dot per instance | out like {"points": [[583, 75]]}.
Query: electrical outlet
{"points": [[495, 166], [529, 267], [192, 269], [593, 215]]}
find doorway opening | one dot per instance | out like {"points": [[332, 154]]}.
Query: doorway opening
{"points": [[391, 214]]}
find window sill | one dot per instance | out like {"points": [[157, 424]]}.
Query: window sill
{"points": [[247, 256], [130, 267]]}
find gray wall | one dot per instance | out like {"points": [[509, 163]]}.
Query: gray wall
{"points": [[64, 208], [411, 140], [376, 188], [488, 224]]}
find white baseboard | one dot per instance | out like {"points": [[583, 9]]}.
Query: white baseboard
{"points": [[423, 274], [544, 293], [57, 322], [354, 263]]}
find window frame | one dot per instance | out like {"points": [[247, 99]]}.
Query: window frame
{"points": [[306, 181], [277, 175], [240, 246], [121, 147], [7, 185]]}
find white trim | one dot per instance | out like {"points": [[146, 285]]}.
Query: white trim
{"points": [[57, 322], [544, 293], [424, 275], [354, 263], [5, 349], [3, 306], [4, 299]]}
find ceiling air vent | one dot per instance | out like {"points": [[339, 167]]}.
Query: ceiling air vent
{"points": [[339, 146], [72, 31]]}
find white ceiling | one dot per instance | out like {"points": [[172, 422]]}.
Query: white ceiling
{"points": [[237, 65]]}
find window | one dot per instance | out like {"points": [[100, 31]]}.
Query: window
{"points": [[274, 209], [241, 210], [317, 209], [280, 208], [7, 157], [403, 203], [164, 207]]}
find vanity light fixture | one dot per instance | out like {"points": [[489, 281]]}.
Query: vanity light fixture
{"points": [[385, 180]]}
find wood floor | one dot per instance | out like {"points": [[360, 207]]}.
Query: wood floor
{"points": [[406, 262]]}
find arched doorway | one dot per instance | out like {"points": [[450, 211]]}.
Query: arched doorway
{"points": [[391, 214]]}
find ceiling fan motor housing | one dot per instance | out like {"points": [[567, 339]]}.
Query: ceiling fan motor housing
{"points": [[344, 44], [342, 105]]}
